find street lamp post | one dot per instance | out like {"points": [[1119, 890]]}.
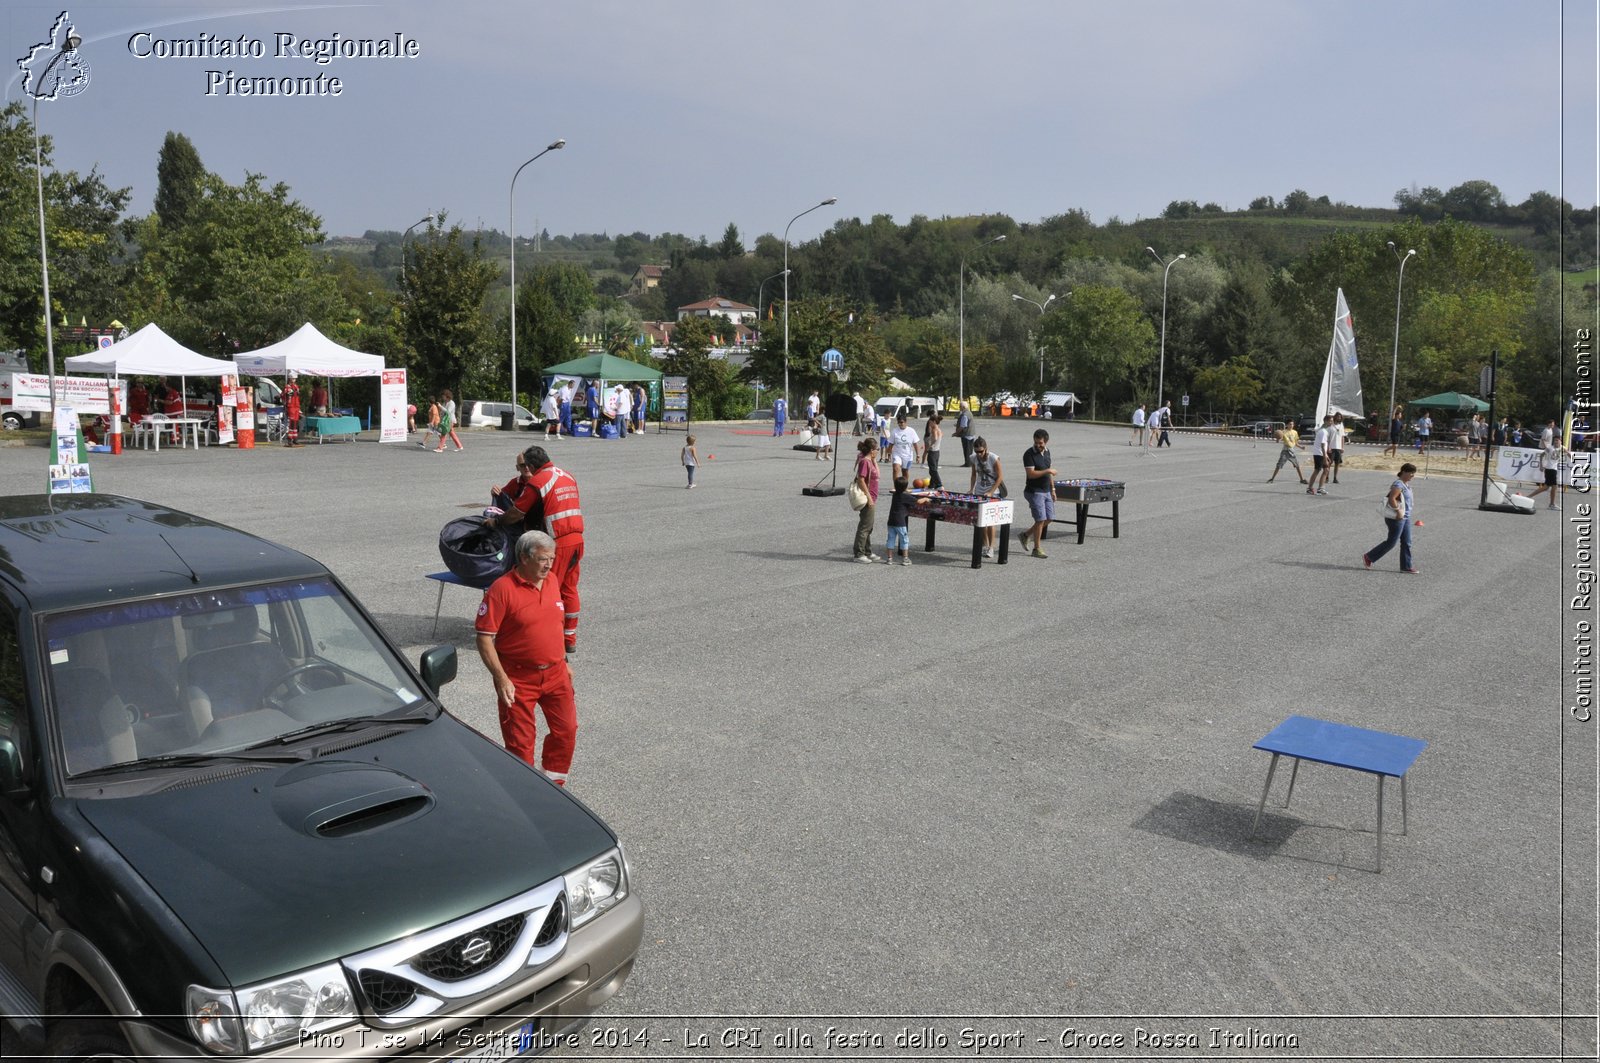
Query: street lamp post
{"points": [[826, 202], [422, 221], [961, 319], [1161, 378], [40, 89], [555, 145], [760, 290], [1048, 300], [1394, 366]]}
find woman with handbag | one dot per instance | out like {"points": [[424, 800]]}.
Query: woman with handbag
{"points": [[865, 482], [1396, 510]]}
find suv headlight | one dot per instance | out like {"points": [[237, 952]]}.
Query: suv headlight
{"points": [[596, 886], [270, 1013]]}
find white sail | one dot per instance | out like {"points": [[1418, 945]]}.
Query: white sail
{"points": [[1341, 380]]}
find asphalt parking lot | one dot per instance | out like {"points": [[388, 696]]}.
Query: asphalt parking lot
{"points": [[1017, 798]]}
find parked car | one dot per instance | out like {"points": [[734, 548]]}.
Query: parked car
{"points": [[237, 823], [487, 415], [1261, 427], [763, 414]]}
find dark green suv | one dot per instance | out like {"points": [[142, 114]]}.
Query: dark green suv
{"points": [[234, 822]]}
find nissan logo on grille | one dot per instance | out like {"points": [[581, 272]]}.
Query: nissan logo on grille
{"points": [[475, 951]]}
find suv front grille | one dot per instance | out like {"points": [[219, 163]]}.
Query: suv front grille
{"points": [[449, 967], [471, 952], [385, 992]]}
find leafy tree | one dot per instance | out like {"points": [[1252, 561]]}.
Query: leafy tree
{"points": [[568, 286], [731, 246], [1097, 342], [180, 180], [814, 326], [442, 310], [923, 352], [545, 335], [1263, 203], [711, 380], [1232, 386], [82, 218], [1297, 202], [239, 274], [1474, 201]]}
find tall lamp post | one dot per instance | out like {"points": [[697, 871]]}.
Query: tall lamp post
{"points": [[42, 88], [1161, 378], [961, 319], [403, 236], [825, 203], [1394, 366], [512, 198], [760, 289], [1048, 300]]}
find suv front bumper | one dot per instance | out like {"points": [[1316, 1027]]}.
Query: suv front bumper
{"points": [[521, 1019]]}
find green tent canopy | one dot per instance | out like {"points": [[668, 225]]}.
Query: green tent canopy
{"points": [[606, 367], [1451, 400]]}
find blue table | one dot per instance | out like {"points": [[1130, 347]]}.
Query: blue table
{"points": [[444, 579], [1357, 748]]}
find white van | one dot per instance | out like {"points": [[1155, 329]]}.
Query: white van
{"points": [[12, 362], [917, 407]]}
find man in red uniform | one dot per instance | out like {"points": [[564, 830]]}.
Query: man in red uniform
{"points": [[519, 638], [291, 409], [552, 504]]}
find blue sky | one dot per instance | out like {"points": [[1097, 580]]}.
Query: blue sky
{"points": [[687, 116]]}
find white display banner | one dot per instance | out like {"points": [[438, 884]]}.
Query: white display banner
{"points": [[1522, 464], [87, 394], [392, 401]]}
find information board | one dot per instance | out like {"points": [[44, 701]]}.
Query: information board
{"points": [[675, 401]]}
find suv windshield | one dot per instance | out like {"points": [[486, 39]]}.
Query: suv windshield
{"points": [[214, 672]]}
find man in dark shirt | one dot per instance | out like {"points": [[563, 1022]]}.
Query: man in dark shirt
{"points": [[1040, 491]]}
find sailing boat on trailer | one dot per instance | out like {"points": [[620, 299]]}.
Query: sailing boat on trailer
{"points": [[1341, 380]]}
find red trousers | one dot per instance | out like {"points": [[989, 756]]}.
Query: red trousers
{"points": [[569, 557], [549, 689]]}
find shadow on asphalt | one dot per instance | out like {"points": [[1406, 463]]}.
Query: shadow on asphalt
{"points": [[1217, 825]]}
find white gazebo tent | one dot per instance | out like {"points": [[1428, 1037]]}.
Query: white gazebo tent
{"points": [[149, 352], [308, 353]]}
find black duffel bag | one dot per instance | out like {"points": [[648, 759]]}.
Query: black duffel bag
{"points": [[475, 550]]}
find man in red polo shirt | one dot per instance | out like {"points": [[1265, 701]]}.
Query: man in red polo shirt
{"points": [[550, 502], [519, 638]]}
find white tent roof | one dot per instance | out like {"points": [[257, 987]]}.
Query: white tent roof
{"points": [[148, 352], [309, 353]]}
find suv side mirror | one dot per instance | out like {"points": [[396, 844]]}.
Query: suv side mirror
{"points": [[13, 774], [438, 667]]}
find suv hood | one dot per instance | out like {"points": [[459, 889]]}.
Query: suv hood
{"points": [[281, 869]]}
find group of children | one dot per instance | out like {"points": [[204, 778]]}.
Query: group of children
{"points": [[441, 421]]}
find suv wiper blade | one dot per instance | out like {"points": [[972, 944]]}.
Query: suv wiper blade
{"points": [[178, 760], [354, 723]]}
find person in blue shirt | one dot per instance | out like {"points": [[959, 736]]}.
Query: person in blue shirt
{"points": [[780, 414], [592, 399], [1398, 520]]}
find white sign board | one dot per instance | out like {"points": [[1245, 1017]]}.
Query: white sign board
{"points": [[392, 401], [994, 513], [86, 394]]}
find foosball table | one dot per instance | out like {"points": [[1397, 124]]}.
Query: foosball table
{"points": [[978, 511], [1083, 493]]}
